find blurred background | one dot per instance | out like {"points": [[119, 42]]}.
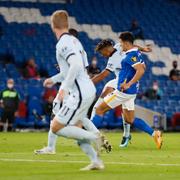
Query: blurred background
{"points": [[27, 56]]}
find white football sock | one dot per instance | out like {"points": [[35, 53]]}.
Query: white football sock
{"points": [[88, 125], [99, 101], [89, 150], [126, 128], [76, 133], [52, 140], [153, 134]]}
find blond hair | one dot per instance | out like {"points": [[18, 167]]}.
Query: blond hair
{"points": [[59, 19]]}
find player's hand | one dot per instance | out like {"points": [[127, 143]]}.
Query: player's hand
{"points": [[148, 48], [124, 86], [61, 95], [48, 83]]}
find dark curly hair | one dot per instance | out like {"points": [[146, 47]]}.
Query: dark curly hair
{"points": [[102, 44]]}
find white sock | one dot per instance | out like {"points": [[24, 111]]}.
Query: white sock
{"points": [[52, 140], [99, 101], [89, 125], [89, 150], [76, 133], [153, 134], [126, 128]]}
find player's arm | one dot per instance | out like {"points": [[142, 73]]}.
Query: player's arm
{"points": [[74, 66], [139, 73], [57, 78], [99, 77], [144, 49], [53, 80]]}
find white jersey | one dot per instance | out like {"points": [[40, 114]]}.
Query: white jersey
{"points": [[66, 47], [114, 62]]}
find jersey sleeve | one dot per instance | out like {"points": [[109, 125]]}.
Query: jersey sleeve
{"points": [[57, 78], [110, 65]]}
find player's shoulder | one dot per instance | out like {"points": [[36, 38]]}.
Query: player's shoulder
{"points": [[133, 52], [118, 47], [133, 55], [65, 39]]}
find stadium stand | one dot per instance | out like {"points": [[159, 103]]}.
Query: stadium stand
{"points": [[27, 33]]}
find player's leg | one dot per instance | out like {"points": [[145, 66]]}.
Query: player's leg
{"points": [[110, 102], [96, 162], [52, 138], [143, 126], [126, 134], [100, 111], [107, 89], [85, 145], [62, 122], [88, 125]]}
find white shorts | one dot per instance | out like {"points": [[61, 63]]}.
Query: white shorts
{"points": [[117, 98], [57, 104], [73, 109], [112, 83]]}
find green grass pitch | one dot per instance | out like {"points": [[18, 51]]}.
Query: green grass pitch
{"points": [[141, 160]]}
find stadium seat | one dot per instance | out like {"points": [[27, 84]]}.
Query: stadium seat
{"points": [[19, 17]]}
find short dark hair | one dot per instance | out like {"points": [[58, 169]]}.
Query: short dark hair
{"points": [[127, 36], [73, 32], [102, 44]]}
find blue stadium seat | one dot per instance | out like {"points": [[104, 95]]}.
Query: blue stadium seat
{"points": [[164, 31]]}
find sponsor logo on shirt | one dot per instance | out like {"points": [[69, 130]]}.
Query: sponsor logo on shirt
{"points": [[134, 59]]}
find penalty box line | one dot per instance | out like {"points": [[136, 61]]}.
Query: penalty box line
{"points": [[81, 162]]}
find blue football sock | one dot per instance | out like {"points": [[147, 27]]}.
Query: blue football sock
{"points": [[97, 120], [143, 126]]}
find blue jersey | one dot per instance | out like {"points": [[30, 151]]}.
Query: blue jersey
{"points": [[131, 58]]}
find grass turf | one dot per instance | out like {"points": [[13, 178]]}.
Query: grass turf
{"points": [[141, 160]]}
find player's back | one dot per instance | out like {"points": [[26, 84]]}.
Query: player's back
{"points": [[68, 46]]}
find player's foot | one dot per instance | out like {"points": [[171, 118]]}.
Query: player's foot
{"points": [[105, 144], [102, 143], [45, 150], [125, 141], [93, 166], [158, 139]]}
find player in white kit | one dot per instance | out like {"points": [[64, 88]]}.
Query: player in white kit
{"points": [[76, 93], [52, 138], [114, 54]]}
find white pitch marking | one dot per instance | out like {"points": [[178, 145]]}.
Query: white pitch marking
{"points": [[80, 162], [81, 154]]}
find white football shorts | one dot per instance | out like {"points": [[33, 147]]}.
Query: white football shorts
{"points": [[117, 98], [73, 109], [112, 83]]}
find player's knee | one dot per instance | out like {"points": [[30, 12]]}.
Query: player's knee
{"points": [[129, 120], [99, 110], [80, 142], [55, 126]]}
